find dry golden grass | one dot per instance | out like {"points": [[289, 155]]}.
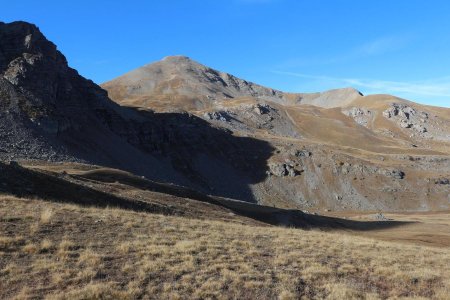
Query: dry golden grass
{"points": [[46, 216], [89, 253]]}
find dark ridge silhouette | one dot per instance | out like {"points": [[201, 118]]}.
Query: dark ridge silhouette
{"points": [[23, 182]]}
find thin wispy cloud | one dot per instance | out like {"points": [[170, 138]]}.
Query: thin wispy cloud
{"points": [[381, 45], [375, 47], [437, 87]]}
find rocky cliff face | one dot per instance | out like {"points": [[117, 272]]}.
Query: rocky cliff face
{"points": [[43, 99]]}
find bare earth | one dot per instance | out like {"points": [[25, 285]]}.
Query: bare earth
{"points": [[426, 229]]}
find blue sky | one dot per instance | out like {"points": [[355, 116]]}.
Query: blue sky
{"points": [[396, 47]]}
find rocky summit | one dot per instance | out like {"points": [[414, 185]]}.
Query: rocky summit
{"points": [[180, 122], [178, 82]]}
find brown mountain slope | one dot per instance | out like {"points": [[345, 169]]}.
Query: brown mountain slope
{"points": [[178, 82], [337, 149]]}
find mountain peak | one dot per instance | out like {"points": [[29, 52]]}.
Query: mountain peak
{"points": [[179, 81], [22, 37], [189, 83], [351, 90], [20, 26], [40, 85], [332, 98], [176, 58]]}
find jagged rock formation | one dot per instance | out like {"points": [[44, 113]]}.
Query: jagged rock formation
{"points": [[361, 115], [253, 117], [407, 117], [42, 98]]}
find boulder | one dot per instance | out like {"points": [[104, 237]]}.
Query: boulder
{"points": [[262, 109], [218, 116], [444, 181], [301, 153], [283, 169]]}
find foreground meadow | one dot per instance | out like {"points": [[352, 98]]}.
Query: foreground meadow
{"points": [[60, 251]]}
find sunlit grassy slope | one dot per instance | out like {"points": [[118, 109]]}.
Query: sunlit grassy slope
{"points": [[61, 251]]}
